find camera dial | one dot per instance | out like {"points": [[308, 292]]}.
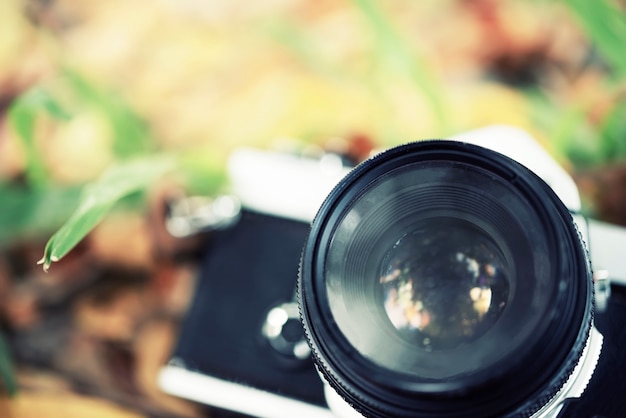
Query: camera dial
{"points": [[445, 279], [283, 332]]}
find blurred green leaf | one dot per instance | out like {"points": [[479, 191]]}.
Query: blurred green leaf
{"points": [[398, 54], [22, 115], [34, 213], [99, 197], [302, 45], [7, 373], [606, 25], [614, 133], [131, 135], [575, 137], [202, 172]]}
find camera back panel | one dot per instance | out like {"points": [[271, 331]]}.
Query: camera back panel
{"points": [[246, 270]]}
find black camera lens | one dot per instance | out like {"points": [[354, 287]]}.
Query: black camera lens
{"points": [[444, 279]]}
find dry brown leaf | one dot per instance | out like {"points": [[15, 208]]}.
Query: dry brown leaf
{"points": [[66, 405]]}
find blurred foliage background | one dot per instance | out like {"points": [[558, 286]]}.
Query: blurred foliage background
{"points": [[102, 104]]}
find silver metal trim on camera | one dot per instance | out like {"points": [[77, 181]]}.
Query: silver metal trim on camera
{"points": [[578, 380], [195, 386], [282, 184]]}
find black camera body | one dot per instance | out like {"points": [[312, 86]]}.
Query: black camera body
{"points": [[242, 348], [247, 270]]}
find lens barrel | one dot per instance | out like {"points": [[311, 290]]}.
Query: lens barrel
{"points": [[445, 279]]}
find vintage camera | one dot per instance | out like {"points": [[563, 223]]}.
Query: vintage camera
{"points": [[438, 278]]}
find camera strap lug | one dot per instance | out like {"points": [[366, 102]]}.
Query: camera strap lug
{"points": [[607, 243], [602, 285]]}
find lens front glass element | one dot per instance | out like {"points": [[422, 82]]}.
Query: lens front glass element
{"points": [[444, 284]]}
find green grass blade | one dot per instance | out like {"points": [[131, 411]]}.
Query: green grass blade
{"points": [[22, 115], [400, 56], [606, 25], [614, 133], [7, 373], [302, 45], [99, 197]]}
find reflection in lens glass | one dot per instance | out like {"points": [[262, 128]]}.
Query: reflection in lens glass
{"points": [[444, 284]]}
